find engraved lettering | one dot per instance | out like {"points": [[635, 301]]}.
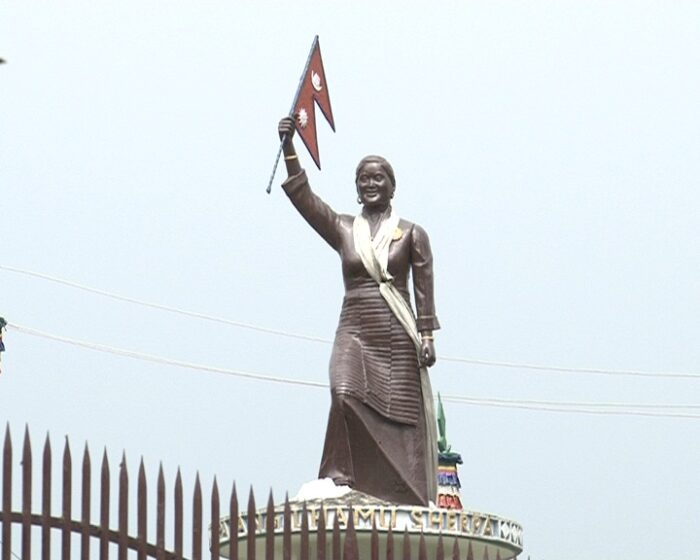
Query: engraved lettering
{"points": [[451, 520], [487, 527], [466, 523], [365, 515], [314, 513], [342, 517], [417, 518], [223, 530]]}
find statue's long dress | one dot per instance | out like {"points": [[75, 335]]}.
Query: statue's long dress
{"points": [[376, 439]]}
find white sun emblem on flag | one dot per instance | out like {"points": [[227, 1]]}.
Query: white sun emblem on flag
{"points": [[316, 81], [303, 118]]}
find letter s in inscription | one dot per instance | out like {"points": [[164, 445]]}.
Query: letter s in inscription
{"points": [[417, 518]]}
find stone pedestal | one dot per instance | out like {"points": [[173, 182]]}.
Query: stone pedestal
{"points": [[354, 520]]}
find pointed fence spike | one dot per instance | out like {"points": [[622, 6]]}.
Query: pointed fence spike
{"points": [[270, 528], [85, 504], [67, 499], [215, 522], [251, 522], [304, 543], [197, 520], [336, 537], [6, 516], [26, 495], [7, 446], [27, 455], [455, 550], [406, 545], [142, 511], [46, 501], [440, 552], [179, 516], [123, 507], [160, 514], [7, 431], [233, 524], [104, 506], [374, 540], [390, 543], [350, 549], [287, 530], [422, 550], [321, 533]]}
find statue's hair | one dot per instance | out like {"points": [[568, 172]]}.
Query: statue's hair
{"points": [[383, 163]]}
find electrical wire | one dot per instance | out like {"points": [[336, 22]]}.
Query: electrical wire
{"points": [[168, 308], [278, 332], [162, 360], [587, 403], [562, 369], [525, 406], [13, 553], [548, 406]]}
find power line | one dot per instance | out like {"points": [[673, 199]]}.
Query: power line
{"points": [[11, 551], [525, 406], [162, 360], [562, 369], [587, 403], [310, 338], [168, 308], [546, 406]]}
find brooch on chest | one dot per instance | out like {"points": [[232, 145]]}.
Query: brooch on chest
{"points": [[398, 234]]}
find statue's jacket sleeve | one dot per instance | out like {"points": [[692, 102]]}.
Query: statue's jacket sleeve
{"points": [[315, 211], [422, 267]]}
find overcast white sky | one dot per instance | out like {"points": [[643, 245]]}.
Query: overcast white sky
{"points": [[550, 149]]}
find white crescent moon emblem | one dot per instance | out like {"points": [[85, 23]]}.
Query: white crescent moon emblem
{"points": [[316, 81]]}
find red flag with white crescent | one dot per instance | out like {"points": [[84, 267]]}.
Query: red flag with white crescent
{"points": [[313, 89]]}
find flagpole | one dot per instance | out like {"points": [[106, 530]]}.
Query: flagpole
{"points": [[291, 113]]}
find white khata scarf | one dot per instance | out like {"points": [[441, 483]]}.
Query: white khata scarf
{"points": [[374, 253]]}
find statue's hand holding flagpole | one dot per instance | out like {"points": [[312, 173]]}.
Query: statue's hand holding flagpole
{"points": [[286, 130]]}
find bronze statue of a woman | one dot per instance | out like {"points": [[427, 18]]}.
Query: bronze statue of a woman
{"points": [[381, 435]]}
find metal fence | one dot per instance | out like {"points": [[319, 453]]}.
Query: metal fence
{"points": [[76, 534]]}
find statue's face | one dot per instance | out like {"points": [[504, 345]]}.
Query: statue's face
{"points": [[374, 186]]}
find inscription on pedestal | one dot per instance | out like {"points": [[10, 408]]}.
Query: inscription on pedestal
{"points": [[398, 518]]}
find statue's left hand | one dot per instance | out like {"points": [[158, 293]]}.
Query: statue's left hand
{"points": [[427, 353]]}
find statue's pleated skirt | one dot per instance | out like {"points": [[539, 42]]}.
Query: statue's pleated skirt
{"points": [[376, 436], [374, 359]]}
